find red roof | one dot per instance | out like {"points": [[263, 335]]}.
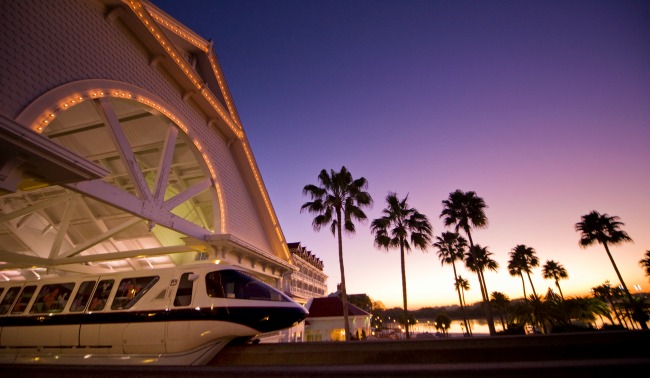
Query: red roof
{"points": [[331, 306]]}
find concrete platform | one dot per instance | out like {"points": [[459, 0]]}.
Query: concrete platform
{"points": [[462, 350], [594, 354]]}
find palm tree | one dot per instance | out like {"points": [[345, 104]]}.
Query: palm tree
{"points": [[462, 285], [477, 259], [338, 201], [515, 268], [554, 270], [585, 309], [605, 293], [501, 303], [535, 311], [645, 263], [525, 259], [466, 210], [442, 324], [401, 227], [601, 228], [451, 248]]}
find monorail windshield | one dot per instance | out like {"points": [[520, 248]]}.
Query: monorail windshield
{"points": [[239, 285]]}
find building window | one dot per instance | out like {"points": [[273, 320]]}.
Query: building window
{"points": [[337, 334], [313, 335]]}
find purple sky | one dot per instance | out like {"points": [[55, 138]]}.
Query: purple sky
{"points": [[540, 107]]}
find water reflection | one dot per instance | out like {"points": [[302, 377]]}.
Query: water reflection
{"points": [[457, 327], [426, 327]]}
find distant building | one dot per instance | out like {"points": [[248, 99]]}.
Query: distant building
{"points": [[305, 282], [325, 320], [308, 281]]}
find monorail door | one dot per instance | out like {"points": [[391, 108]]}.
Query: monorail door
{"points": [[182, 289]]}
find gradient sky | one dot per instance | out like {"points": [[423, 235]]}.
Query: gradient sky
{"points": [[540, 107]]}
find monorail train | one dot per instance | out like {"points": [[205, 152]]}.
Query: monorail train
{"points": [[172, 316]]}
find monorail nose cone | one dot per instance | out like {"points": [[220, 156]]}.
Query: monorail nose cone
{"points": [[277, 319]]}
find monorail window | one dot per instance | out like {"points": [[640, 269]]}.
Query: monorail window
{"points": [[101, 295], [9, 299], [52, 298], [83, 296], [23, 299], [130, 290], [184, 291], [238, 285]]}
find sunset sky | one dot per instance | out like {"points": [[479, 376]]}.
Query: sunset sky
{"points": [[540, 107]]}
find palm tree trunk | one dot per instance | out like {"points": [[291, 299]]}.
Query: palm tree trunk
{"points": [[557, 283], [523, 284], [531, 283], [636, 308], [406, 311], [486, 298], [613, 305], [344, 294], [488, 307], [483, 295], [469, 324]]}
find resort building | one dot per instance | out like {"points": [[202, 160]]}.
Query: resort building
{"points": [[308, 281], [121, 149]]}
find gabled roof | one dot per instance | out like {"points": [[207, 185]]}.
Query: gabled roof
{"points": [[331, 306], [98, 221]]}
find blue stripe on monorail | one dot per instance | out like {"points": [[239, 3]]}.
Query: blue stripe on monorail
{"points": [[262, 319]]}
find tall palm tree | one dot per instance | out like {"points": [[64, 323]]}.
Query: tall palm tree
{"points": [[402, 227], [451, 248], [645, 263], [466, 210], [462, 285], [338, 201], [554, 270], [526, 257], [477, 259], [516, 268], [601, 228]]}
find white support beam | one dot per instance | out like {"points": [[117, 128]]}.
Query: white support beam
{"points": [[34, 208], [164, 166], [21, 259], [100, 238], [63, 227], [105, 110], [187, 194]]}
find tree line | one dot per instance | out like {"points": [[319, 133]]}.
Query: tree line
{"points": [[338, 201]]}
